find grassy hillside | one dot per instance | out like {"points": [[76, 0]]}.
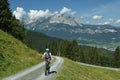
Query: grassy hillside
{"points": [[14, 55], [74, 71], [39, 41]]}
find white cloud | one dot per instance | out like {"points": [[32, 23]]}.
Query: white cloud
{"points": [[19, 13], [37, 14], [106, 22], [117, 22], [34, 15], [56, 12], [97, 17], [110, 19], [66, 10], [109, 9], [99, 23], [87, 22], [81, 17]]}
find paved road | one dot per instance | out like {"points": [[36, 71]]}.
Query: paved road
{"points": [[116, 69], [37, 72]]}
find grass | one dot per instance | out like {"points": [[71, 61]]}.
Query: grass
{"points": [[74, 71], [15, 56]]}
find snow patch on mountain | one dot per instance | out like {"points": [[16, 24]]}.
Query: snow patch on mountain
{"points": [[61, 18]]}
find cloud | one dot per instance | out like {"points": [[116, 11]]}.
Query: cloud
{"points": [[110, 19], [38, 14], [110, 9], [34, 15], [107, 22], [117, 22], [19, 13], [87, 22], [66, 10], [97, 17], [112, 22], [81, 17], [56, 12]]}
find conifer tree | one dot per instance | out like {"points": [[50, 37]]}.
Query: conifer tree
{"points": [[5, 16], [63, 47], [94, 56], [53, 47], [82, 55], [117, 57], [75, 50], [9, 23]]}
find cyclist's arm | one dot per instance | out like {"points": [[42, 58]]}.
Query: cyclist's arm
{"points": [[50, 55], [43, 56]]}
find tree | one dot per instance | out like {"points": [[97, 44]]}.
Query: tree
{"points": [[94, 56], [53, 47], [17, 29], [82, 55], [75, 51], [117, 57], [5, 15], [70, 49], [63, 47], [9, 23], [105, 59]]}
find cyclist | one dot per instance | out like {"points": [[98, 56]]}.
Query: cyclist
{"points": [[47, 57]]}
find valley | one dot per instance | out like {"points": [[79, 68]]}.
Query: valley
{"points": [[66, 27]]}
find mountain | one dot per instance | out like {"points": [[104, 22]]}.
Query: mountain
{"points": [[15, 56], [67, 27], [57, 18]]}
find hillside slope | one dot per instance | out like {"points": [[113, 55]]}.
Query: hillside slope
{"points": [[14, 55], [74, 71], [39, 41]]}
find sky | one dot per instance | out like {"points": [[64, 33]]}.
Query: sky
{"points": [[96, 12]]}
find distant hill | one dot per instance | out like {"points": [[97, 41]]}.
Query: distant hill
{"points": [[15, 56], [66, 27], [39, 41]]}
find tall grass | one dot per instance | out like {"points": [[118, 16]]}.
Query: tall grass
{"points": [[15, 56], [74, 71]]}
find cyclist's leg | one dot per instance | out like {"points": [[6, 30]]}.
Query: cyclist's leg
{"points": [[49, 67], [46, 65]]}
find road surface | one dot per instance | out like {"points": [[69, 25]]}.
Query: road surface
{"points": [[37, 72]]}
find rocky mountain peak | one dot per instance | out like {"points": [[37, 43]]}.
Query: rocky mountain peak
{"points": [[65, 19]]}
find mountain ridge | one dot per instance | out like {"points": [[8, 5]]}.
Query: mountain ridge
{"points": [[83, 33]]}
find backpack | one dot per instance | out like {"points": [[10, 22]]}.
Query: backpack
{"points": [[47, 55]]}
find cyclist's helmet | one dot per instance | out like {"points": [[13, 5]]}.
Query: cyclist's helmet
{"points": [[47, 49]]}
